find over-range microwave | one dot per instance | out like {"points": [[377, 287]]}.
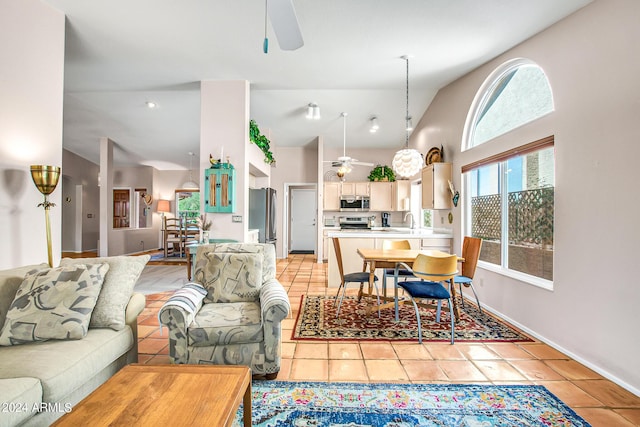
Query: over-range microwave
{"points": [[354, 203]]}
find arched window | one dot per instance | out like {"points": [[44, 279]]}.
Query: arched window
{"points": [[509, 196], [516, 93]]}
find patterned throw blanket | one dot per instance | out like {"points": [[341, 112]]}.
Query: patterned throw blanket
{"points": [[188, 298]]}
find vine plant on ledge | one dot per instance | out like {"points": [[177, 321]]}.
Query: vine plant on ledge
{"points": [[261, 141]]}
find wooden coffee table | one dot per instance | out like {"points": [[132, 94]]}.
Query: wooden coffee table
{"points": [[156, 395]]}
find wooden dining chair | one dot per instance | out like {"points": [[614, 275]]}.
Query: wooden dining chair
{"points": [[470, 253], [390, 272], [431, 271], [361, 277], [190, 231], [172, 234]]}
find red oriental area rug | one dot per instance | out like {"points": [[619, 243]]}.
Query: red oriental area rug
{"points": [[317, 321]]}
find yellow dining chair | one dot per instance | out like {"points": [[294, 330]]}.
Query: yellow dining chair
{"points": [[471, 253], [359, 277], [431, 271]]}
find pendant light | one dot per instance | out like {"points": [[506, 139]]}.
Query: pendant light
{"points": [[345, 167], [191, 184], [408, 161]]}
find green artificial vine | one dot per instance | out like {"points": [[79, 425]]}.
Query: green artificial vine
{"points": [[261, 141]]}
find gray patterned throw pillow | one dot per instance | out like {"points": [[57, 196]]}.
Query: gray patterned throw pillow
{"points": [[233, 277], [53, 304], [124, 272]]}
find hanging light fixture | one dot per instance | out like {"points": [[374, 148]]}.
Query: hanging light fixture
{"points": [[313, 111], [408, 161], [191, 184], [345, 167], [374, 124]]}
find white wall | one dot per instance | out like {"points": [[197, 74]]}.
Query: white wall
{"points": [[82, 172], [592, 63], [132, 240], [31, 88], [224, 122]]}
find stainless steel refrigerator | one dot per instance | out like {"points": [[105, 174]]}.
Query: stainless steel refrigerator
{"points": [[262, 213]]}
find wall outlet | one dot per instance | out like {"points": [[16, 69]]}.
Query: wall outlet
{"points": [[236, 218], [481, 282]]}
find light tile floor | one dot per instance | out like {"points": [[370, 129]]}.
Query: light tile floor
{"points": [[599, 401]]}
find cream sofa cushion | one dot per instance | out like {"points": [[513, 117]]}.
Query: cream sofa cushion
{"points": [[64, 366]]}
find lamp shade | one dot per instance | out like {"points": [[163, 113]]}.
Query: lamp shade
{"points": [[407, 162], [164, 206], [190, 185], [45, 178]]}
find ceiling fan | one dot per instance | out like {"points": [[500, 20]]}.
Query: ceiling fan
{"points": [[345, 162], [285, 24]]}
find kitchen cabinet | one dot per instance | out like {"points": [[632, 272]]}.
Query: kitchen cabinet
{"points": [[327, 244], [437, 244], [219, 189], [401, 195], [381, 198], [355, 189], [435, 186], [331, 199]]}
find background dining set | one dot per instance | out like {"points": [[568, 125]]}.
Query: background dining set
{"points": [[424, 274], [179, 232]]}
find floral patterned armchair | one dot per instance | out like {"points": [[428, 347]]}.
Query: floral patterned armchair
{"points": [[231, 314]]}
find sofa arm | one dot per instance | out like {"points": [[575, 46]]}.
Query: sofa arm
{"points": [[274, 301], [134, 308]]}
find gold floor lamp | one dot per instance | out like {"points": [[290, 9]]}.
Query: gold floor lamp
{"points": [[46, 179]]}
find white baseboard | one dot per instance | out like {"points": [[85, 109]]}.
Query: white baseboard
{"points": [[558, 347]]}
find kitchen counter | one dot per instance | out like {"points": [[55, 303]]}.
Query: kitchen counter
{"points": [[390, 233], [353, 239]]}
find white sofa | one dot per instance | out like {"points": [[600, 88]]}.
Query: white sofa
{"points": [[40, 381]]}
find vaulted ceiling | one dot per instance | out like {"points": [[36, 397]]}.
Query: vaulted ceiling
{"points": [[121, 54]]}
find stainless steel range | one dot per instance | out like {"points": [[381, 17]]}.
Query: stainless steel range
{"points": [[354, 223]]}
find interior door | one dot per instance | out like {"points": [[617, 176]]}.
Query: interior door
{"points": [[303, 220], [121, 208]]}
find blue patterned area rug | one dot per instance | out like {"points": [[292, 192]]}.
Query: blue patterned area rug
{"points": [[280, 403]]}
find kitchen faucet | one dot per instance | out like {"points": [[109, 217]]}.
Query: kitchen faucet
{"points": [[413, 222]]}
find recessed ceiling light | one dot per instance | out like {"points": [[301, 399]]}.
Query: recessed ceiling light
{"points": [[151, 104]]}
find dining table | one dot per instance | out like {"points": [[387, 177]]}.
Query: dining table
{"points": [[392, 258]]}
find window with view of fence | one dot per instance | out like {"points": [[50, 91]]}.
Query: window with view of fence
{"points": [[530, 229]]}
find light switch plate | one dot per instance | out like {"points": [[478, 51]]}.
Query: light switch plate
{"points": [[236, 218]]}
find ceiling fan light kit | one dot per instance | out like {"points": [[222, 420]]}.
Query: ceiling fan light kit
{"points": [[408, 161], [344, 163]]}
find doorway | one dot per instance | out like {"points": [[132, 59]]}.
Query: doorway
{"points": [[302, 220]]}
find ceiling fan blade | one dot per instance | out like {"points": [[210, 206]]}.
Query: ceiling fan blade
{"points": [[355, 162], [285, 24]]}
